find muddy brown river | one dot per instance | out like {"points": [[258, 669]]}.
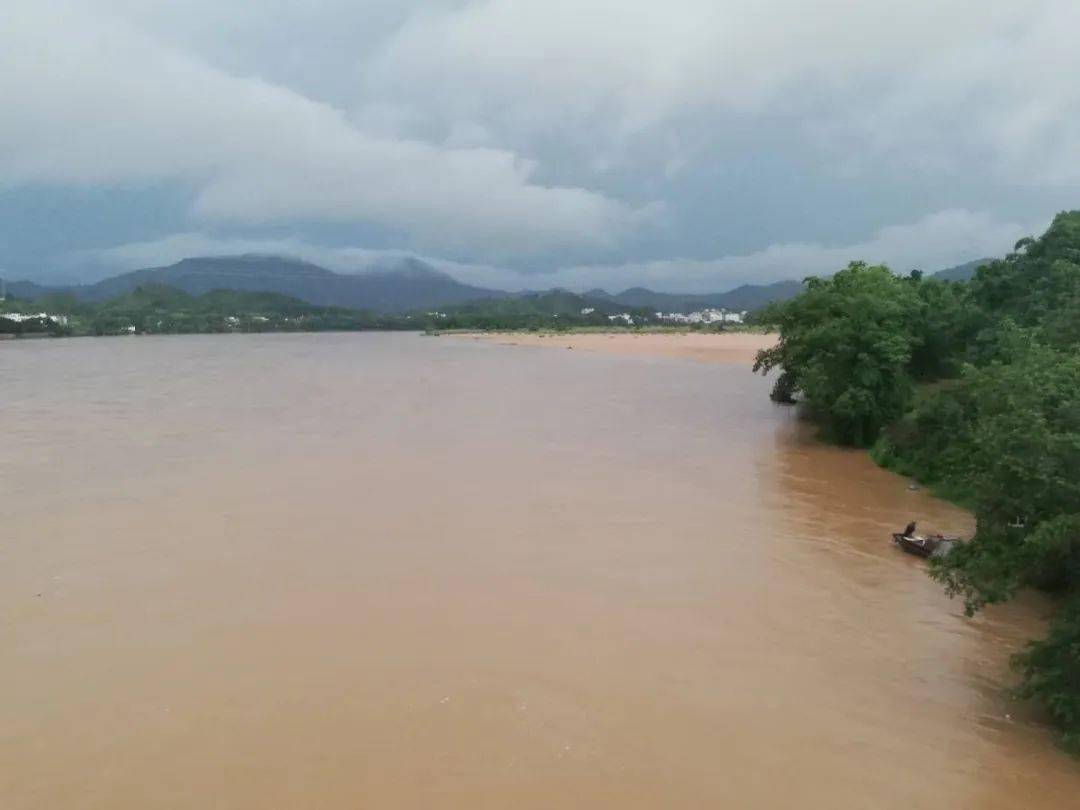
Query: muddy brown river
{"points": [[387, 571]]}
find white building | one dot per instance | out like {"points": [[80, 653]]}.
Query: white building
{"points": [[19, 317], [705, 316]]}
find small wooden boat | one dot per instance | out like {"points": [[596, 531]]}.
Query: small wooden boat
{"points": [[932, 546]]}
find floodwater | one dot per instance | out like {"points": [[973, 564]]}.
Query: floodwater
{"points": [[388, 571], [708, 347]]}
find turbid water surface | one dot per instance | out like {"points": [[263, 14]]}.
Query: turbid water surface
{"points": [[387, 571]]}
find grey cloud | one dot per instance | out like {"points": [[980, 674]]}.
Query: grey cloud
{"points": [[92, 100], [935, 242], [520, 135], [830, 62]]}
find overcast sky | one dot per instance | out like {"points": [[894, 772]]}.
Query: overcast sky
{"points": [[685, 145]]}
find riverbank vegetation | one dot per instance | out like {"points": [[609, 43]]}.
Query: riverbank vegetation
{"points": [[974, 389], [159, 309]]}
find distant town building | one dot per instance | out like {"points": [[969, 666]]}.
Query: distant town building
{"points": [[19, 317]]}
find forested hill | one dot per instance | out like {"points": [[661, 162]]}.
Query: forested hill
{"points": [[974, 388], [404, 286]]}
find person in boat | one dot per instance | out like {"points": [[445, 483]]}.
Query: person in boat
{"points": [[909, 530]]}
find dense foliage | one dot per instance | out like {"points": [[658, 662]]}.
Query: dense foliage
{"points": [[974, 388], [846, 346]]}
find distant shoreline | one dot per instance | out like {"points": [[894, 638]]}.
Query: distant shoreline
{"points": [[705, 347]]}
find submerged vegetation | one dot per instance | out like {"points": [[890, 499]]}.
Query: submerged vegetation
{"points": [[974, 389]]}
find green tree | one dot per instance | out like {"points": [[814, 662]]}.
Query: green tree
{"points": [[845, 346], [1025, 476]]}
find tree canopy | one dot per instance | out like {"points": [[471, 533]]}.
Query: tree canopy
{"points": [[846, 344]]}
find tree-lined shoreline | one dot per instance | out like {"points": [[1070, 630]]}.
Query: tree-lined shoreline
{"points": [[972, 388], [163, 309]]}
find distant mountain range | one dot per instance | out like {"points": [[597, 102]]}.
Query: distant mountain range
{"points": [[962, 272], [409, 285]]}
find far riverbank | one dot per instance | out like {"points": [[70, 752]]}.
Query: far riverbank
{"points": [[707, 347]]}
